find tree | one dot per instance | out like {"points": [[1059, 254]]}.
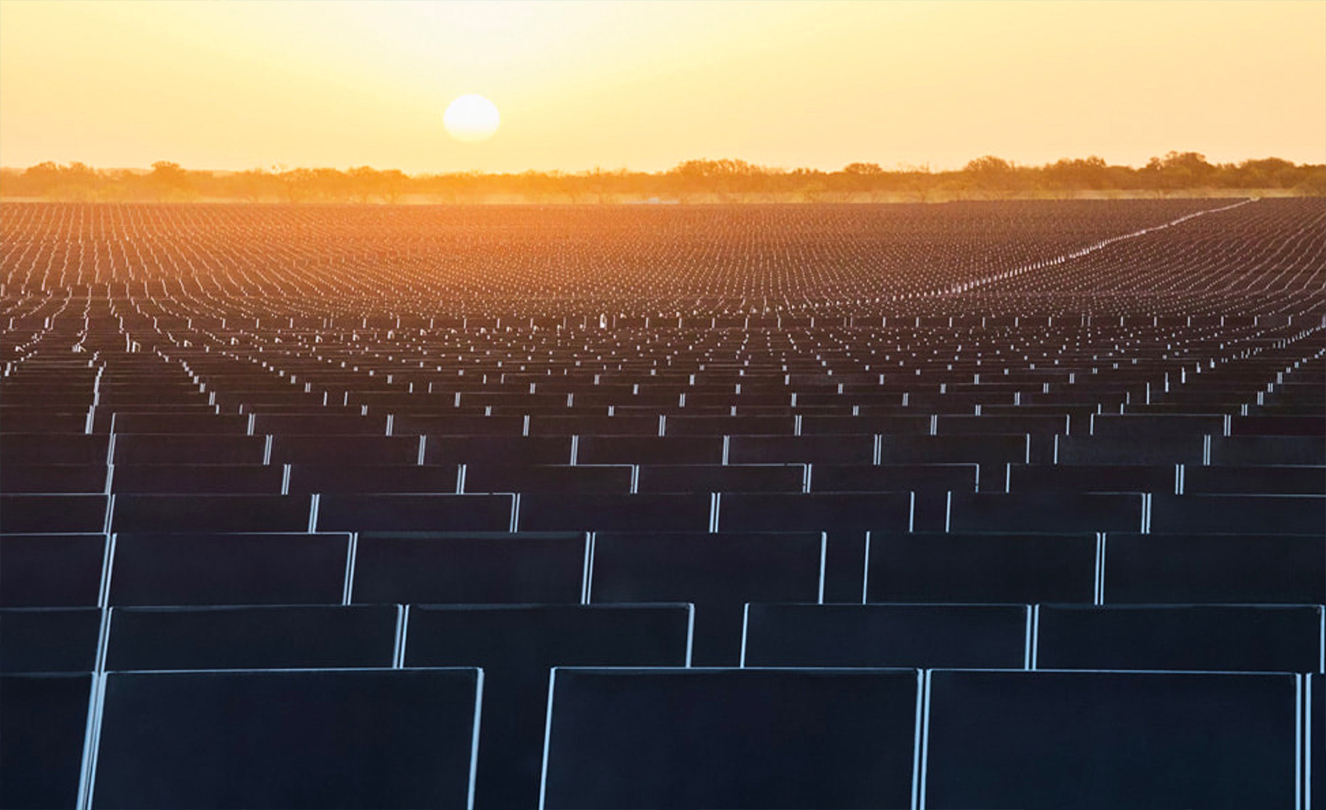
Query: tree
{"points": [[169, 181], [1179, 170], [297, 184], [1079, 174], [993, 176], [868, 178]]}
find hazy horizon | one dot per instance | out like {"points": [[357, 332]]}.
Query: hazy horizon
{"points": [[647, 85], [887, 168]]}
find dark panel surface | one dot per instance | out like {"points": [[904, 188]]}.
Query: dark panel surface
{"points": [[731, 739], [505, 568], [1108, 740], [290, 739], [976, 568], [49, 639], [1260, 638], [210, 513], [288, 637], [829, 512], [1220, 568], [1254, 514], [722, 478], [614, 513], [42, 723], [229, 569], [51, 570], [985, 636], [415, 513], [1045, 512], [52, 513]]}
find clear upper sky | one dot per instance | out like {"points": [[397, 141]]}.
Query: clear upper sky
{"points": [[644, 85]]}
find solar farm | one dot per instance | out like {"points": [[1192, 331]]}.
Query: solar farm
{"points": [[1006, 504]]}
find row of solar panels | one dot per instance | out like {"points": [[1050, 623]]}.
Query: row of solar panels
{"points": [[1040, 512], [663, 738], [1249, 638], [869, 448], [631, 479], [718, 573]]}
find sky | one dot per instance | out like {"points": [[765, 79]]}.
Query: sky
{"points": [[644, 85]]}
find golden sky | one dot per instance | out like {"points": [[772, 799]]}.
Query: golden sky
{"points": [[235, 84]]}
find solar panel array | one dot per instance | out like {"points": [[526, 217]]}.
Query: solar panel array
{"points": [[998, 505]]}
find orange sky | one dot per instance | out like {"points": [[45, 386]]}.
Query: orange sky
{"points": [[645, 85]]}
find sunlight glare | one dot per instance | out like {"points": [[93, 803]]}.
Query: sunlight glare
{"points": [[471, 118]]}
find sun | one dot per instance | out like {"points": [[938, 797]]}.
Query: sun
{"points": [[471, 118]]}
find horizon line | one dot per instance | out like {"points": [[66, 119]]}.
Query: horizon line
{"points": [[923, 167]]}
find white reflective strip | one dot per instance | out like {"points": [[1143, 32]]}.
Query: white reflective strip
{"points": [[1101, 540], [92, 742], [515, 513], [267, 450], [918, 778], [824, 557], [313, 512], [107, 571], [1298, 741], [1321, 663], [547, 734], [103, 641], [745, 629], [1035, 635], [587, 570], [347, 593], [1026, 650], [474, 739], [402, 625], [690, 632], [865, 573], [423, 445], [285, 479], [1307, 742]]}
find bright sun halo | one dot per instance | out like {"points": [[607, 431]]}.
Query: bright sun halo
{"points": [[471, 118]]}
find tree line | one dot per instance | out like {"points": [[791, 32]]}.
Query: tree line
{"points": [[985, 178]]}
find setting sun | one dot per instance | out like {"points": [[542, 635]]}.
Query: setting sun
{"points": [[471, 118]]}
